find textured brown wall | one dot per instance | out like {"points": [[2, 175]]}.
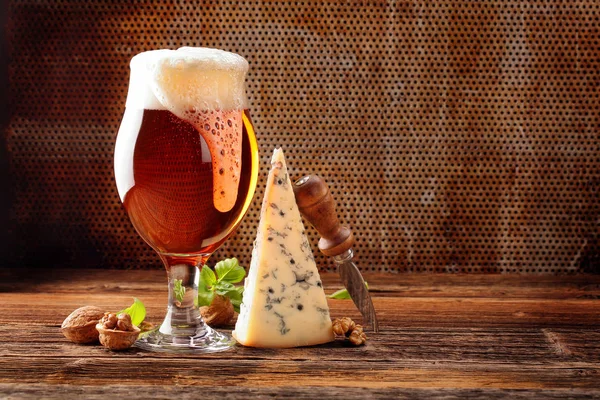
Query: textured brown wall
{"points": [[5, 184], [456, 135]]}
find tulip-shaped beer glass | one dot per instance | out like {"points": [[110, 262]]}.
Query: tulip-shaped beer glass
{"points": [[186, 165]]}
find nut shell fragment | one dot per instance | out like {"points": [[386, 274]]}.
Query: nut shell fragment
{"points": [[114, 339], [80, 326]]}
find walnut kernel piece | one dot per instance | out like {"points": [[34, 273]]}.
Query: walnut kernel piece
{"points": [[146, 326], [219, 313], [124, 322], [114, 339], [80, 326], [349, 329], [357, 337], [109, 320], [343, 326]]}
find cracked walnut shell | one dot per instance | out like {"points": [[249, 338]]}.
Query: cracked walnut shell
{"points": [[114, 339]]}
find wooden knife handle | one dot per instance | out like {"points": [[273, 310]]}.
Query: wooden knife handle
{"points": [[316, 204]]}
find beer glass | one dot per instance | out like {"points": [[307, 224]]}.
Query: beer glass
{"points": [[186, 165]]}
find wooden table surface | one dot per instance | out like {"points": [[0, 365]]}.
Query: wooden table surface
{"points": [[442, 336]]}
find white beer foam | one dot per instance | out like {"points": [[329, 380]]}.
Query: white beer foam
{"points": [[188, 79]]}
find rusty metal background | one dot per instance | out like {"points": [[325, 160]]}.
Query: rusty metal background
{"points": [[456, 136]]}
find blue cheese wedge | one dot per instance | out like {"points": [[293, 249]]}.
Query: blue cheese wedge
{"points": [[284, 304]]}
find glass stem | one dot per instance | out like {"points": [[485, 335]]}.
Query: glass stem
{"points": [[183, 316], [183, 328]]}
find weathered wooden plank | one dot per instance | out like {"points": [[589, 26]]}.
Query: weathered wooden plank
{"points": [[32, 391], [52, 308], [472, 336], [149, 370], [398, 285], [497, 345]]}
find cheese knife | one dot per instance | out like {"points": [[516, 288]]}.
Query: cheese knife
{"points": [[317, 205]]}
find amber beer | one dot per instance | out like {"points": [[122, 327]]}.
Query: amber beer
{"points": [[185, 162]]}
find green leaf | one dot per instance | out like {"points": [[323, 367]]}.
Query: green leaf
{"points": [[137, 312], [205, 296], [236, 299], [229, 270], [235, 296], [223, 288], [343, 294], [207, 277], [179, 290]]}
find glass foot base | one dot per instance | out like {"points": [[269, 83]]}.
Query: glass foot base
{"points": [[208, 341]]}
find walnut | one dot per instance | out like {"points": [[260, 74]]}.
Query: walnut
{"points": [[124, 322], [117, 332], [109, 321], [146, 326], [219, 313], [117, 339], [342, 326], [121, 322], [357, 337], [348, 329], [80, 325]]}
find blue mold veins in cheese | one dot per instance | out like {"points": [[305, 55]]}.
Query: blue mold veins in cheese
{"points": [[284, 304]]}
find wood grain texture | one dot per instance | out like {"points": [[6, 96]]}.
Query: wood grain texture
{"points": [[476, 336], [32, 391]]}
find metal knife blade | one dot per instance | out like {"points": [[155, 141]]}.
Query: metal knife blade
{"points": [[355, 284], [317, 206]]}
